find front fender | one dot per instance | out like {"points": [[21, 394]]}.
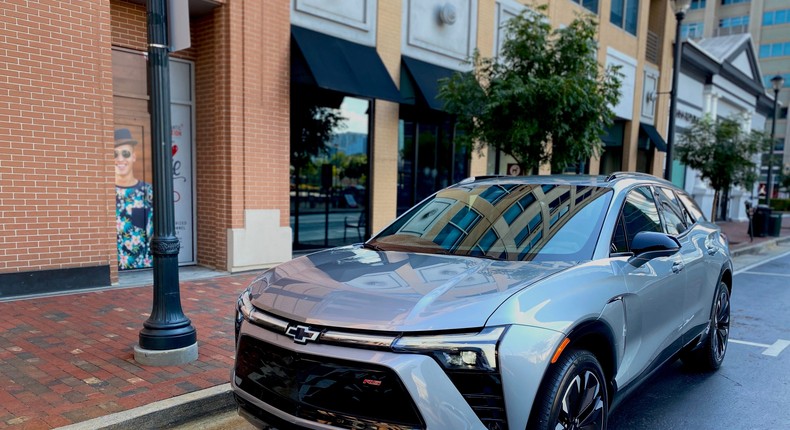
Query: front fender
{"points": [[524, 356]]}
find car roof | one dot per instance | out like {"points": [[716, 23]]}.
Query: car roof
{"points": [[605, 181]]}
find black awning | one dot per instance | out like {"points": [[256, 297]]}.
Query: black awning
{"points": [[426, 77], [654, 137], [339, 65]]}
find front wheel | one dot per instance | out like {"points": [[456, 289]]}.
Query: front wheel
{"points": [[573, 395], [710, 354]]}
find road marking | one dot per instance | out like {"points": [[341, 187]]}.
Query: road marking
{"points": [[786, 275], [752, 266], [771, 350]]}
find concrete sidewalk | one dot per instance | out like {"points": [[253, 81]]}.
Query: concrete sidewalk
{"points": [[67, 360]]}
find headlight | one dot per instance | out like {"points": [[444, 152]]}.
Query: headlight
{"points": [[464, 351], [243, 310]]}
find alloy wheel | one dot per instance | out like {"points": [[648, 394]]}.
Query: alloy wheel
{"points": [[721, 325], [582, 404]]}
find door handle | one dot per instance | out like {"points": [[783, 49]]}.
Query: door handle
{"points": [[677, 267], [712, 250]]}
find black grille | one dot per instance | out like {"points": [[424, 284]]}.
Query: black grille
{"points": [[483, 392], [341, 393]]}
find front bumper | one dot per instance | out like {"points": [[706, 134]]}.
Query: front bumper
{"points": [[431, 400]]}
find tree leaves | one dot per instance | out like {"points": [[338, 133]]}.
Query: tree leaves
{"points": [[722, 151], [545, 99]]}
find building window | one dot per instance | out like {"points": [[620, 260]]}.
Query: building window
{"points": [[692, 30], [780, 144], [429, 158], [612, 158], [591, 5], [726, 2], [734, 21], [776, 17], [697, 4], [625, 14], [329, 167], [733, 25], [782, 113], [769, 50]]}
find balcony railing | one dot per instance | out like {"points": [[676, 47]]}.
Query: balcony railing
{"points": [[736, 29]]}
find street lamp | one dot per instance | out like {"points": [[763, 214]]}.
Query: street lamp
{"points": [[679, 7], [168, 337], [777, 82]]}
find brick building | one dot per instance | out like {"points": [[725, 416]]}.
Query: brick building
{"points": [[248, 191]]}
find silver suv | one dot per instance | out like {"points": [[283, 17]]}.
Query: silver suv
{"points": [[508, 302]]}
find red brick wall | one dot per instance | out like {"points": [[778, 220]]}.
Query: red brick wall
{"points": [[56, 172], [56, 116], [242, 94], [129, 25]]}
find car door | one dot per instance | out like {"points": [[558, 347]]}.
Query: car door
{"points": [[703, 266], [654, 303]]}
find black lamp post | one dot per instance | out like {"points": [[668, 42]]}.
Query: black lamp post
{"points": [[777, 82], [167, 337], [679, 7]]}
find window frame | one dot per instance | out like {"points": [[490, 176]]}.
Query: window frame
{"points": [[621, 220]]}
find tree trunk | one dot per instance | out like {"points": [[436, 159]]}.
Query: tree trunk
{"points": [[715, 206], [725, 202]]}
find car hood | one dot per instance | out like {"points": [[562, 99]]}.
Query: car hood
{"points": [[358, 288]]}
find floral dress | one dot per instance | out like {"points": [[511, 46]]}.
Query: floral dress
{"points": [[135, 225]]}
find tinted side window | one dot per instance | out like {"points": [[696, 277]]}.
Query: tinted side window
{"points": [[619, 240], [640, 213], [691, 206], [671, 211]]}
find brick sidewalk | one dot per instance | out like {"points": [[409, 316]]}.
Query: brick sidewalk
{"points": [[738, 233], [67, 359]]}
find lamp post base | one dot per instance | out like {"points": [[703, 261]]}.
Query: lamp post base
{"points": [[169, 357]]}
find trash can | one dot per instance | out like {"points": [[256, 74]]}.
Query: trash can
{"points": [[775, 225], [760, 220]]}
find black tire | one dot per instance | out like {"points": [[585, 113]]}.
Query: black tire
{"points": [[573, 395], [709, 356]]}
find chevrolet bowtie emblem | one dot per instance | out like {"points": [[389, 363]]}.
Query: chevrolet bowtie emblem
{"points": [[302, 334]]}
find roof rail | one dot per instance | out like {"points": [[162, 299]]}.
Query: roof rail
{"points": [[617, 175], [480, 177]]}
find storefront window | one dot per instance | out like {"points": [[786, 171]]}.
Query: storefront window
{"points": [[612, 157], [428, 157], [329, 168]]}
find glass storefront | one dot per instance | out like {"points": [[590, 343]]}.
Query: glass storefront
{"points": [[329, 168], [612, 157], [428, 157]]}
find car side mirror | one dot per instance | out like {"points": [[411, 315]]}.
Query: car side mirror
{"points": [[648, 245]]}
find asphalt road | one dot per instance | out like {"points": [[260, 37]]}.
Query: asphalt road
{"points": [[750, 391]]}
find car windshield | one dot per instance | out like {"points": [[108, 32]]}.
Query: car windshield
{"points": [[507, 221]]}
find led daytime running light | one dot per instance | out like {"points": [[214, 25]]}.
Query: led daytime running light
{"points": [[471, 351]]}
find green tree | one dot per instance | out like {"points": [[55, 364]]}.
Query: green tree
{"points": [[723, 154], [545, 99]]}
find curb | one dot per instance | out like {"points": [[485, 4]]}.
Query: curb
{"points": [[757, 247], [165, 413]]}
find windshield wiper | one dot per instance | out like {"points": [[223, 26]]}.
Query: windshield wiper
{"points": [[369, 245]]}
